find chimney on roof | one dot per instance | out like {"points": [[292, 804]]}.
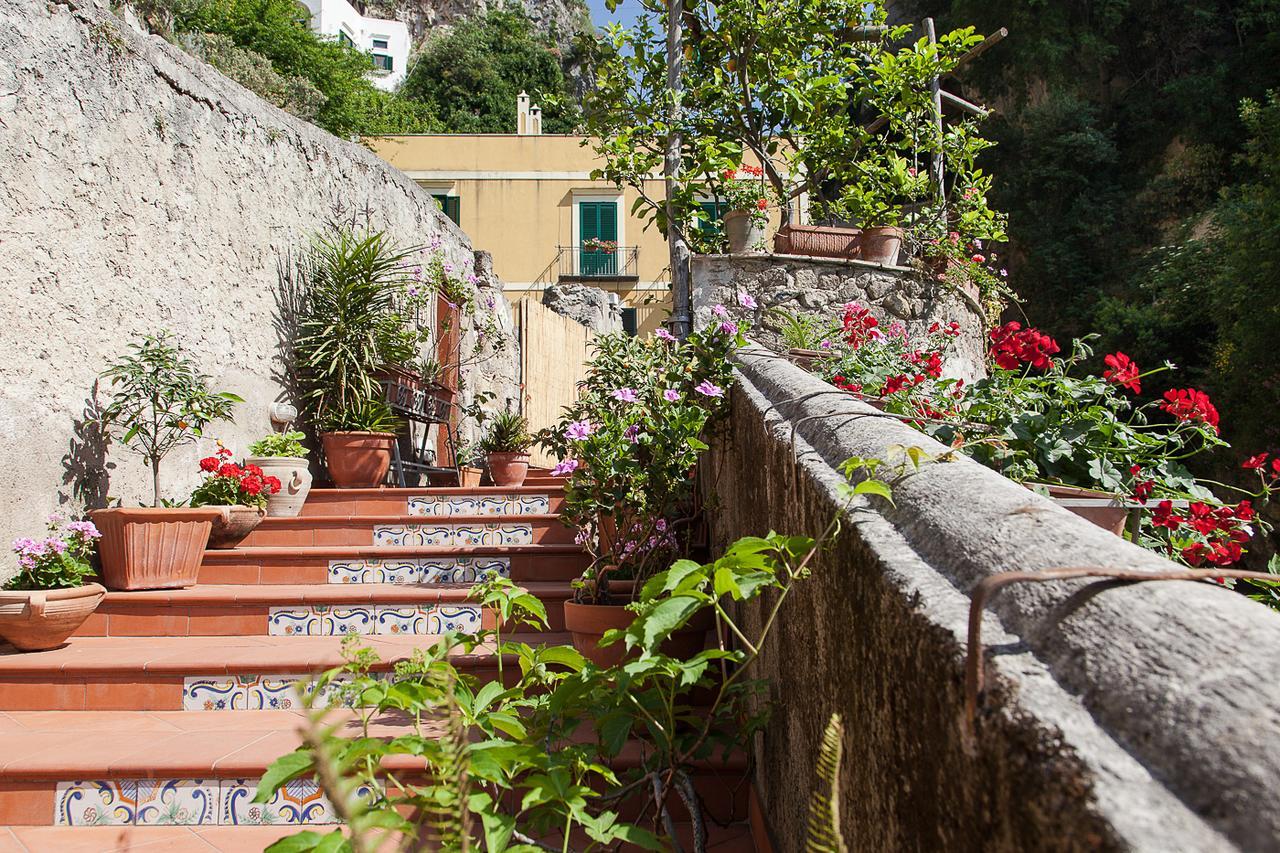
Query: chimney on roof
{"points": [[535, 120], [522, 114]]}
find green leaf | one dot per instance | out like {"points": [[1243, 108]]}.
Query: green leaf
{"points": [[874, 487], [332, 842], [284, 769]]}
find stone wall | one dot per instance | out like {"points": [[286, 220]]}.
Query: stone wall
{"points": [[589, 306], [1118, 716], [140, 190], [821, 287]]}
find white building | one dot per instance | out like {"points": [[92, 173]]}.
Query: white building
{"points": [[387, 41]]}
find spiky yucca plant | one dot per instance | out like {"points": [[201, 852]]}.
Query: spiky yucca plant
{"points": [[508, 433]]}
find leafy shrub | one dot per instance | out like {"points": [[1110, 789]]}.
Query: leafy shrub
{"points": [[508, 433], [286, 444]]}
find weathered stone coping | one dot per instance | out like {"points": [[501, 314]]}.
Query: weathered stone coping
{"points": [[1168, 692]]}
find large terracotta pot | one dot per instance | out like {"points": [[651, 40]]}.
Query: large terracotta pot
{"points": [[357, 460], [745, 233], [1101, 508], [818, 241], [233, 524], [295, 483], [589, 622], [38, 619], [508, 469], [881, 244], [152, 547]]}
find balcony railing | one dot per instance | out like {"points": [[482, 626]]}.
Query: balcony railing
{"points": [[579, 262]]}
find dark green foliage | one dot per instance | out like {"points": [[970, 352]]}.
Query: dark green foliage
{"points": [[471, 76], [508, 433]]}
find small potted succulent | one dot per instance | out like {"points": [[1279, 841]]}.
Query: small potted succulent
{"points": [[469, 473], [160, 400], [239, 493], [282, 457], [507, 448], [49, 599]]}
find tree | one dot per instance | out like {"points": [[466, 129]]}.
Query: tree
{"points": [[471, 75]]}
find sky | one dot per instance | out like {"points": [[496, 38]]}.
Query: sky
{"points": [[627, 11]]}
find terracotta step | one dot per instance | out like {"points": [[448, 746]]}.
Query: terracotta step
{"points": [[196, 673], [409, 530], [735, 838], [292, 609], [322, 502], [386, 564]]}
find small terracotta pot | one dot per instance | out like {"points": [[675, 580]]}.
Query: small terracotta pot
{"points": [[34, 620], [1101, 508], [357, 460], [589, 622], [152, 547], [469, 478], [508, 469], [881, 244], [295, 483], [818, 241], [805, 358], [233, 524]]}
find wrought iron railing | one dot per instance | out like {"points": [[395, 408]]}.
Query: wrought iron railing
{"points": [[609, 262]]}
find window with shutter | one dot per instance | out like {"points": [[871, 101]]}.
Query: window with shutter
{"points": [[450, 204], [597, 223], [709, 222]]}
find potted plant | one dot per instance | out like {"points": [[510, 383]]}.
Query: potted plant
{"points": [[282, 457], [159, 401], [629, 447], [744, 191], [352, 323], [239, 493], [49, 599], [506, 446], [469, 472]]}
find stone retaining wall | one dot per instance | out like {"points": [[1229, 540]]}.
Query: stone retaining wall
{"points": [[141, 190], [1119, 716]]}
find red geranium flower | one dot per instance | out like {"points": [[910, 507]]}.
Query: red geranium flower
{"points": [[229, 469], [762, 204], [1190, 405], [209, 463], [1123, 372], [1254, 463], [273, 484], [1164, 517], [1012, 346]]}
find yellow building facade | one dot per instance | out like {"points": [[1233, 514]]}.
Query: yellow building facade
{"points": [[530, 201]]}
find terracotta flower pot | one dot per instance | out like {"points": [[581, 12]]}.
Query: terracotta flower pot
{"points": [[745, 232], [152, 547], [38, 619], [508, 469], [881, 244], [818, 241], [357, 460], [233, 524], [469, 478], [295, 483], [589, 622], [1101, 508]]}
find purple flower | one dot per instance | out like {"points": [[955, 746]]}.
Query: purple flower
{"points": [[472, 278], [746, 300], [729, 328], [625, 395], [671, 395], [413, 291], [632, 433], [707, 389], [664, 335], [435, 241], [56, 545], [84, 528], [825, 345], [581, 537], [660, 525], [566, 466], [1004, 273], [489, 302], [448, 267], [578, 430], [720, 311]]}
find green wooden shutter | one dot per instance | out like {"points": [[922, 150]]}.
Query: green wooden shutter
{"points": [[709, 222], [597, 220], [450, 204]]}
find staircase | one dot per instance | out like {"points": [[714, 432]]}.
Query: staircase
{"points": [[150, 728]]}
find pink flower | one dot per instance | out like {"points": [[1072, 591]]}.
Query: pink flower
{"points": [[625, 395], [671, 395], [707, 389], [632, 433], [664, 335], [720, 311], [566, 466], [825, 345], [746, 300], [579, 430], [86, 529], [729, 328]]}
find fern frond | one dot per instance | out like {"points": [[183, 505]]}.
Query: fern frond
{"points": [[822, 835]]}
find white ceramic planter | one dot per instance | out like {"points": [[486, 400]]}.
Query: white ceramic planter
{"points": [[295, 483], [745, 232]]}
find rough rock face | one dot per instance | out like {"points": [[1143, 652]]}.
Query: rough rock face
{"points": [[584, 304], [820, 287], [559, 20], [140, 190]]}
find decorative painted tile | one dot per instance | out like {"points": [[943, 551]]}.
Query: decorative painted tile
{"points": [[401, 619], [511, 534], [493, 505], [347, 620], [394, 535], [111, 802], [212, 693], [531, 505], [464, 569], [298, 802], [458, 505], [294, 622], [465, 619], [399, 571], [274, 692], [177, 802], [353, 571], [470, 534]]}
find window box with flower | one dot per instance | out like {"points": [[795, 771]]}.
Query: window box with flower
{"points": [[49, 598]]}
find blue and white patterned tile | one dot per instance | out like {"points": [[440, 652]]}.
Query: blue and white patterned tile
{"points": [[177, 802], [395, 535], [300, 802], [398, 571], [465, 619], [470, 534], [339, 621], [530, 505], [212, 693], [493, 505], [464, 569], [400, 619], [294, 622], [272, 692], [350, 571], [511, 534], [109, 802]]}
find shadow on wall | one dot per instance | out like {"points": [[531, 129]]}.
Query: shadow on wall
{"points": [[86, 474]]}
